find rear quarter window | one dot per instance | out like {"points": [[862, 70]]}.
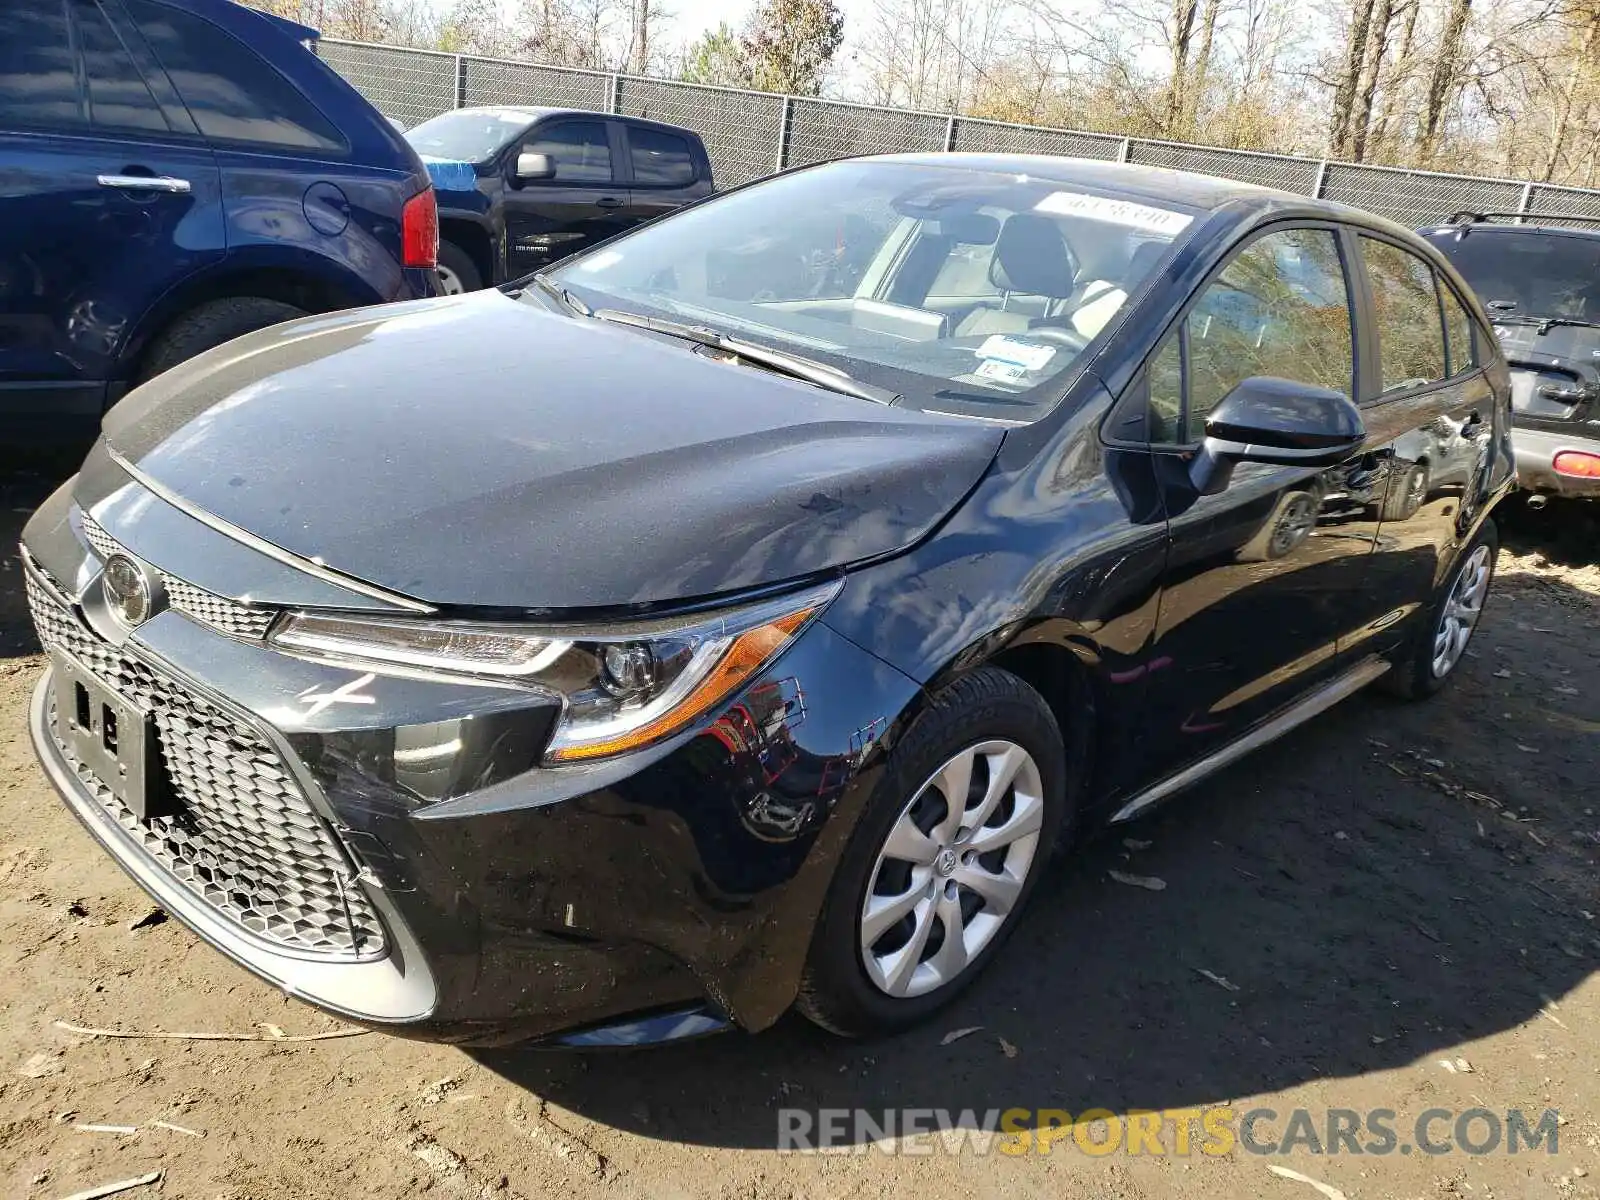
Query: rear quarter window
{"points": [[660, 159], [233, 93]]}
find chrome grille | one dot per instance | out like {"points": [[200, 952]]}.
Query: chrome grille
{"points": [[247, 841], [220, 613]]}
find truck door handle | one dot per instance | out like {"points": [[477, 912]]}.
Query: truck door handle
{"points": [[609, 202], [146, 183]]}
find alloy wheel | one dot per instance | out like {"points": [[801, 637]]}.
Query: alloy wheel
{"points": [[449, 281], [949, 874], [1462, 609]]}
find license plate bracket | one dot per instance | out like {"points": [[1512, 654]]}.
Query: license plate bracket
{"points": [[113, 737]]}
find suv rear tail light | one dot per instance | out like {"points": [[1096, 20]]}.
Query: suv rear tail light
{"points": [[419, 230], [1576, 462]]}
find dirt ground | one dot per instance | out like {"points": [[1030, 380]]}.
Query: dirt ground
{"points": [[1389, 890]]}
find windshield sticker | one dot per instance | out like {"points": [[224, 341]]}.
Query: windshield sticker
{"points": [[1116, 212], [1030, 356], [1001, 371], [599, 262]]}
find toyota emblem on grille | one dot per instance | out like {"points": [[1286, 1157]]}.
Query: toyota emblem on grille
{"points": [[128, 591]]}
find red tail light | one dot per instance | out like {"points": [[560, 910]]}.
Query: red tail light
{"points": [[1576, 462], [419, 230]]}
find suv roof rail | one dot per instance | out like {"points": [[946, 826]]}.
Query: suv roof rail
{"points": [[1468, 217]]}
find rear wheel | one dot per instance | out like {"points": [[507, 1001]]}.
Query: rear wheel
{"points": [[210, 324], [944, 860], [457, 272], [1440, 643]]}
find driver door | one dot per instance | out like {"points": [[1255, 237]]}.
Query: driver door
{"points": [[583, 203], [1264, 580]]}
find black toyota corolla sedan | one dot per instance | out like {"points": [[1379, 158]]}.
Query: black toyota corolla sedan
{"points": [[741, 614]]}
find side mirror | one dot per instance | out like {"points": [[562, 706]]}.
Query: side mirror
{"points": [[1279, 422], [531, 166]]}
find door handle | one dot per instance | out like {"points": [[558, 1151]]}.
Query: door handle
{"points": [[609, 202], [146, 183]]}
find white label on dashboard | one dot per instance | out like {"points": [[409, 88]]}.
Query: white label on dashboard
{"points": [[1116, 212], [1030, 356]]}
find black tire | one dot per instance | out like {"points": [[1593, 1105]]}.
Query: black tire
{"points": [[1402, 503], [1413, 676], [458, 262], [210, 324], [989, 704]]}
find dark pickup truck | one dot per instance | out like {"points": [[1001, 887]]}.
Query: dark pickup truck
{"points": [[520, 188]]}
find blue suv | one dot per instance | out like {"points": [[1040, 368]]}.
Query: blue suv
{"points": [[173, 174]]}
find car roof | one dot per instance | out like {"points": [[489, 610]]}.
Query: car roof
{"points": [[512, 112], [1156, 184], [1480, 228]]}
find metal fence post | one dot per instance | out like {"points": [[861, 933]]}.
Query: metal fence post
{"points": [[1125, 151], [785, 122], [1524, 201], [461, 82], [614, 94], [950, 134], [1322, 177]]}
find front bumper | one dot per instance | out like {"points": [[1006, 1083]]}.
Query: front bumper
{"points": [[1536, 450], [514, 900]]}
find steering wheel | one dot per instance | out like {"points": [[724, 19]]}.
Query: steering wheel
{"points": [[1059, 335]]}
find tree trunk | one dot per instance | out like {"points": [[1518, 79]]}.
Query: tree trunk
{"points": [[1196, 92], [1372, 68], [1445, 70], [1183, 15], [1344, 94], [1399, 79]]}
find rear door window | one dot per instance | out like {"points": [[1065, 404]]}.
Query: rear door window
{"points": [[1405, 302], [580, 150], [38, 79], [119, 97], [659, 159], [233, 94], [1458, 333]]}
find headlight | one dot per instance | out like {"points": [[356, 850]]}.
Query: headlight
{"points": [[622, 686]]}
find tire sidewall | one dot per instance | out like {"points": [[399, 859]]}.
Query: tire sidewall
{"points": [[855, 1004], [460, 263]]}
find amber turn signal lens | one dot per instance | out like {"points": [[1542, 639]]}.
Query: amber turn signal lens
{"points": [[747, 653]]}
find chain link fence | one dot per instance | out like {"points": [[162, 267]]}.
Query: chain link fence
{"points": [[751, 134]]}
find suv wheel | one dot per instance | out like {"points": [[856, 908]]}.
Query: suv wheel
{"points": [[210, 324], [457, 272], [951, 846]]}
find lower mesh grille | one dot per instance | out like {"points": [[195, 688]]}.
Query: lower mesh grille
{"points": [[247, 842]]}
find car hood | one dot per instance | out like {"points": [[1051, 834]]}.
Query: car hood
{"points": [[485, 451]]}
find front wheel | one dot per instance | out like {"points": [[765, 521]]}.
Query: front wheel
{"points": [[1439, 645], [951, 846]]}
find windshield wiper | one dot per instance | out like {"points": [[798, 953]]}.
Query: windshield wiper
{"points": [[775, 360], [1546, 324], [565, 298]]}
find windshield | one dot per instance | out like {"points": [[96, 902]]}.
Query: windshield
{"points": [[963, 291], [470, 134], [1528, 274]]}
